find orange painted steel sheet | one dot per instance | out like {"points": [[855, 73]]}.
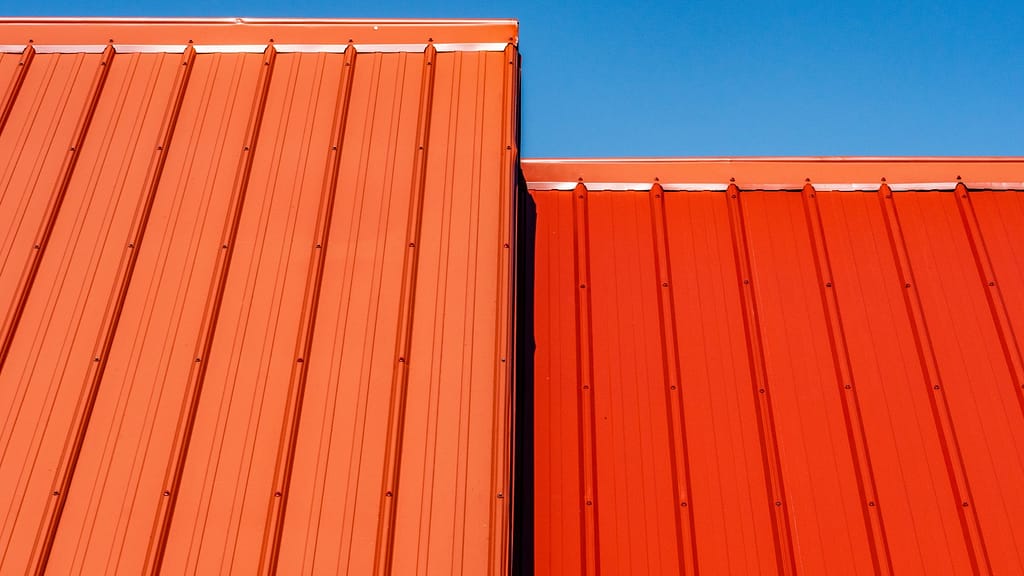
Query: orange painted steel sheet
{"points": [[256, 303], [797, 380]]}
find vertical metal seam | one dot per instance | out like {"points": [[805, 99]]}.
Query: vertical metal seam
{"points": [[67, 170], [179, 454], [993, 291], [871, 507], [969, 522], [672, 371], [284, 466], [502, 400], [585, 376], [109, 331], [12, 94], [772, 460], [384, 549]]}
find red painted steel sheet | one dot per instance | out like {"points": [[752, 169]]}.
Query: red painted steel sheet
{"points": [[801, 380], [256, 305]]}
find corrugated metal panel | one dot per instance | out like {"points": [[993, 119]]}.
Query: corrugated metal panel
{"points": [[801, 380], [234, 280]]}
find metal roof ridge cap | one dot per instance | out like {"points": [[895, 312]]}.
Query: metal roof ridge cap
{"points": [[731, 159], [244, 20]]}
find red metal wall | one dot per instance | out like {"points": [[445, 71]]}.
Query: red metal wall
{"points": [[803, 380]]}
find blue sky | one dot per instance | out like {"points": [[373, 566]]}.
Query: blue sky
{"points": [[727, 78]]}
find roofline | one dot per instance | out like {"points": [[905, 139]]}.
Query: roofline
{"points": [[777, 172], [65, 31], [697, 159]]}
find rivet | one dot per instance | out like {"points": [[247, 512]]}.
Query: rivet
{"points": [[963, 195], [586, 386], [502, 358], [159, 147], [871, 503], [664, 284], [184, 63], [167, 492], [508, 147], [271, 39], [964, 504], [590, 502], [277, 494], [745, 281], [828, 284], [223, 246], [673, 387], [500, 495], [813, 196], [683, 504], [35, 247], [778, 503], [267, 63], [401, 359], [888, 195], [318, 246], [583, 285], [733, 196], [412, 244], [299, 360], [56, 492], [199, 359], [421, 147], [429, 63], [991, 283], [657, 195], [131, 245], [388, 493], [189, 40], [334, 147], [761, 390], [907, 285], [848, 387], [245, 148], [732, 179], [72, 148], [506, 245], [96, 359], [580, 196], [936, 387], [430, 39]]}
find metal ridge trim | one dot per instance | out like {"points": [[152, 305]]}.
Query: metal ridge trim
{"points": [[721, 187]]}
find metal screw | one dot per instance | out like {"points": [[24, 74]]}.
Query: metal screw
{"points": [[56, 492], [96, 359], [590, 502], [745, 281], [907, 285], [828, 284], [35, 247], [131, 245], [318, 245], [583, 285], [388, 493], [412, 244], [683, 504], [500, 495], [761, 390], [936, 387], [965, 504], [277, 494], [673, 387], [871, 504], [401, 359], [657, 195], [991, 283], [502, 358], [664, 284], [299, 360], [167, 492], [778, 503], [848, 387], [223, 246], [586, 386], [199, 359]]}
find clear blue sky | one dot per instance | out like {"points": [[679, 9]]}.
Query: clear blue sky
{"points": [[726, 78]]}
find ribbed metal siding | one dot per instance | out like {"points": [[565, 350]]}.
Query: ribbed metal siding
{"points": [[745, 381], [228, 279]]}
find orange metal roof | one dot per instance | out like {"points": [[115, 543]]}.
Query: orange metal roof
{"points": [[825, 377], [255, 280]]}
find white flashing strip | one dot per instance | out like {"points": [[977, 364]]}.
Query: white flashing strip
{"points": [[912, 186], [390, 47], [306, 48], [12, 48], [68, 48], [824, 187], [231, 49], [150, 48], [472, 47]]}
